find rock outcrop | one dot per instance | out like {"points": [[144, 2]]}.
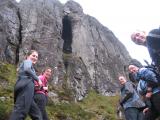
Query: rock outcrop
{"points": [[74, 44], [9, 31]]}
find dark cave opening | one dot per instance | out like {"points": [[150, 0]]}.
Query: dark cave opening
{"points": [[20, 36], [67, 34]]}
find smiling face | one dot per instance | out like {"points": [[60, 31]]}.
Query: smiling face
{"points": [[122, 80], [47, 73], [133, 69], [33, 57], [139, 37]]}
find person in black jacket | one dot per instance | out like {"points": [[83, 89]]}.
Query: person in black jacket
{"points": [[24, 90], [151, 41]]}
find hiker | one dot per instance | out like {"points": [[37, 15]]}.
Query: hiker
{"points": [[151, 41], [148, 87], [24, 90], [130, 100], [149, 112], [41, 92]]}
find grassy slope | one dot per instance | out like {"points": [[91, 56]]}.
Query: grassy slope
{"points": [[93, 107], [7, 81]]}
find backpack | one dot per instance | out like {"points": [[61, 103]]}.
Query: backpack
{"points": [[155, 70]]}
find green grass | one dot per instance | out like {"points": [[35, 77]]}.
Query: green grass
{"points": [[93, 107], [68, 110], [5, 109], [104, 106], [7, 79], [7, 72]]}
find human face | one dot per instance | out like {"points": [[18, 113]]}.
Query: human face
{"points": [[47, 73], [33, 57], [139, 37], [133, 69], [122, 80]]}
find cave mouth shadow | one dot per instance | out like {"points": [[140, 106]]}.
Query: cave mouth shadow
{"points": [[67, 34], [67, 38]]}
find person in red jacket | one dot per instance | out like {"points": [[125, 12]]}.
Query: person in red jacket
{"points": [[41, 92]]}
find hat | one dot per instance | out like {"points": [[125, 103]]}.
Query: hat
{"points": [[155, 33], [135, 63]]}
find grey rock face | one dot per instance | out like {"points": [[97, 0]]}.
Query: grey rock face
{"points": [[9, 30], [102, 54], [41, 29], [95, 57]]}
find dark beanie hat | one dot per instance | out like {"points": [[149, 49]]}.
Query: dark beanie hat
{"points": [[135, 63], [155, 33]]}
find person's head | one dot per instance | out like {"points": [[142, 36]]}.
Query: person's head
{"points": [[33, 56], [139, 37], [122, 80], [133, 69], [154, 34], [47, 72]]}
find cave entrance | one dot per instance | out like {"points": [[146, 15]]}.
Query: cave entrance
{"points": [[67, 44], [67, 34]]}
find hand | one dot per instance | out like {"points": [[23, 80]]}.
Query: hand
{"points": [[149, 94], [145, 110], [40, 82], [45, 88]]}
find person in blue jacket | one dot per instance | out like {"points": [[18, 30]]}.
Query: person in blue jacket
{"points": [[148, 86], [24, 90], [130, 100]]}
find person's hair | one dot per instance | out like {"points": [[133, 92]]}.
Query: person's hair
{"points": [[135, 63], [46, 68], [121, 75], [30, 52]]}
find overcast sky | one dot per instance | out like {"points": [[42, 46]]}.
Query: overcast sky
{"points": [[123, 17]]}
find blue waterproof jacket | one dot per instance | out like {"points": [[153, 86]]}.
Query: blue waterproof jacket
{"points": [[147, 75], [129, 97], [147, 78], [142, 88]]}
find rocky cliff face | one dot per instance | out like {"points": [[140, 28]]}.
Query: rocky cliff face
{"points": [[83, 53], [9, 31]]}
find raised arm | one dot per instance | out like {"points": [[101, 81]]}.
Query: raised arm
{"points": [[28, 68]]}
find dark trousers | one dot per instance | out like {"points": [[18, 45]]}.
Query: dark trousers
{"points": [[151, 115], [41, 101], [155, 101], [133, 114], [25, 104], [154, 111]]}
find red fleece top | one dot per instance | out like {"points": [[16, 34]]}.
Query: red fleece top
{"points": [[39, 89]]}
